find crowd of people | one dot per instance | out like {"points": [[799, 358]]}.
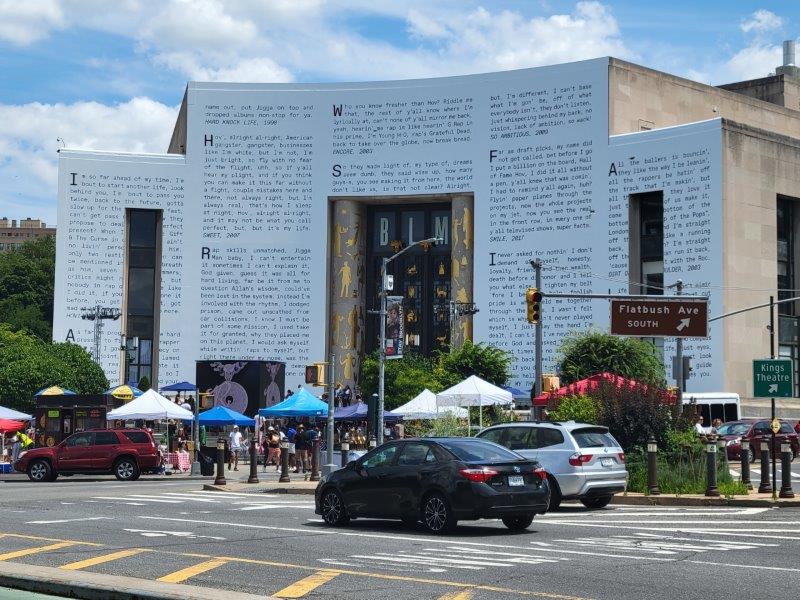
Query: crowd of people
{"points": [[269, 436]]}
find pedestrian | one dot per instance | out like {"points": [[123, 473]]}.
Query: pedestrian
{"points": [[16, 448], [698, 425], [797, 427], [236, 447], [291, 432], [300, 444], [399, 431], [273, 447], [715, 425]]}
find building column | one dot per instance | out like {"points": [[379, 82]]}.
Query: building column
{"points": [[346, 315], [461, 277]]}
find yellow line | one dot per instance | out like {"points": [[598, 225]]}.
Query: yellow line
{"points": [[463, 595], [46, 539], [300, 588], [26, 552], [184, 574], [98, 560]]}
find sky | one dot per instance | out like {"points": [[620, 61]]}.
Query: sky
{"points": [[110, 75]]}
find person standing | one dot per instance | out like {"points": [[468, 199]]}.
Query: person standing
{"points": [[291, 432], [236, 447], [300, 444], [273, 448]]}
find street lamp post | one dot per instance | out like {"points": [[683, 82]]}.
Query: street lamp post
{"points": [[382, 341]]}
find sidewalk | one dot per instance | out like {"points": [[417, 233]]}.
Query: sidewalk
{"points": [[753, 499], [267, 482]]}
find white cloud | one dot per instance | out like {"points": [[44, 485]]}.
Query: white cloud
{"points": [[762, 21], [23, 21]]}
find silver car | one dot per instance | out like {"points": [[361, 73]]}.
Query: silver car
{"points": [[583, 461]]}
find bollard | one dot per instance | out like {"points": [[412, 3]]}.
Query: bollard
{"points": [[722, 451], [745, 460], [315, 459], [220, 480], [345, 454], [284, 478], [765, 487], [652, 468], [253, 461], [373, 443], [711, 468], [786, 471]]}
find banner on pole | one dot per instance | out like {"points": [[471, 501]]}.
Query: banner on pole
{"points": [[393, 344]]}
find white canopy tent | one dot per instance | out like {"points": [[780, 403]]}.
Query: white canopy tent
{"points": [[474, 391], [14, 415], [424, 406], [151, 406]]}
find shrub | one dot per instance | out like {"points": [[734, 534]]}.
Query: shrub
{"points": [[574, 408]]}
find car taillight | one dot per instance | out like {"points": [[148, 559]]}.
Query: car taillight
{"points": [[540, 473], [578, 459], [621, 457], [482, 475]]}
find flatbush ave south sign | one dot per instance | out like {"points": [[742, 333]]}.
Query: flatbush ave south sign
{"points": [[772, 378], [660, 318]]}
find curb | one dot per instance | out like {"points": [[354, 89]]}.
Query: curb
{"points": [[702, 501], [97, 586], [262, 490]]}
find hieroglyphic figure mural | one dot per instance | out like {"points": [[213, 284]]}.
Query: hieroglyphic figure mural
{"points": [[462, 263]]}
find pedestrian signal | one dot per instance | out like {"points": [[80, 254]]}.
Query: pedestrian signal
{"points": [[315, 374], [533, 298]]}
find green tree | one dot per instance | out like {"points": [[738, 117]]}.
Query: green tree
{"points": [[484, 360], [28, 364], [574, 408], [586, 354], [27, 278]]}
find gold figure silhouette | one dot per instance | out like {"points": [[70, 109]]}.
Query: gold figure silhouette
{"points": [[441, 292], [461, 295], [346, 278], [456, 225], [466, 329], [467, 228], [411, 291], [441, 268], [412, 270], [353, 325], [351, 242], [456, 269], [411, 316], [337, 242], [337, 321], [348, 362]]}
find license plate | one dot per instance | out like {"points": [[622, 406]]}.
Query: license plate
{"points": [[607, 462], [516, 480]]}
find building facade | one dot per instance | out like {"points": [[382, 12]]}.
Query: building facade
{"points": [[13, 234], [260, 234]]}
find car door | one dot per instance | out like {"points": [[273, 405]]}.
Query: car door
{"points": [[365, 494], [105, 449], [414, 471], [76, 452]]}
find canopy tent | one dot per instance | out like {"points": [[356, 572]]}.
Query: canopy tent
{"points": [[585, 386], [54, 390], [359, 411], [221, 415], [124, 392], [474, 391], [10, 413], [181, 386], [300, 404], [151, 405], [423, 406]]}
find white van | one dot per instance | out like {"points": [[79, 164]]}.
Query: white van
{"points": [[715, 405]]}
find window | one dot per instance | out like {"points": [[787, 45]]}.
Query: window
{"points": [[380, 458], [493, 435], [80, 440], [105, 438], [416, 454], [137, 437], [762, 428], [594, 438], [474, 450], [550, 437], [520, 438]]}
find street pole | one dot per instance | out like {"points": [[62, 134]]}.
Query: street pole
{"points": [[537, 384], [382, 353], [196, 435], [772, 400], [679, 376], [329, 466]]}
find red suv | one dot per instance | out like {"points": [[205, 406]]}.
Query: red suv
{"points": [[756, 431], [124, 452]]}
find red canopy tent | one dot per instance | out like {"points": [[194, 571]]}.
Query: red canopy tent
{"points": [[584, 386], [9, 425]]}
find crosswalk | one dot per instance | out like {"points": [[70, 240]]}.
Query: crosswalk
{"points": [[227, 500]]}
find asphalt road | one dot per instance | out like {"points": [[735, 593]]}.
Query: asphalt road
{"points": [[275, 544]]}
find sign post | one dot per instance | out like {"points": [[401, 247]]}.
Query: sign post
{"points": [[772, 378]]}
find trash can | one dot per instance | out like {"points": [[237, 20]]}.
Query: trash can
{"points": [[206, 464]]}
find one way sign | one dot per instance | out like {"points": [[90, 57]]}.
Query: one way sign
{"points": [[772, 379]]}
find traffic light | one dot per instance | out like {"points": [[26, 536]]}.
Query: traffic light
{"points": [[315, 374], [533, 298]]}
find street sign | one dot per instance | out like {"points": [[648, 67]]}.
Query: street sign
{"points": [[660, 317], [772, 378]]}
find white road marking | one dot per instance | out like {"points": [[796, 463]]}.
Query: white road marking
{"points": [[140, 499], [65, 520], [181, 534], [660, 544]]}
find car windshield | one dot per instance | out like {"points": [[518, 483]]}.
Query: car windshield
{"points": [[594, 438], [733, 428], [472, 450]]}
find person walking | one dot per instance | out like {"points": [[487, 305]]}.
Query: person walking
{"points": [[301, 444], [236, 447], [291, 432], [273, 448]]}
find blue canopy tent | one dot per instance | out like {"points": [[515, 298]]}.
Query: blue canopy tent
{"points": [[359, 411], [181, 386], [300, 404], [220, 415]]}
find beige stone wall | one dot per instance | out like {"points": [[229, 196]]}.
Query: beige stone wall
{"points": [[640, 96], [757, 167]]}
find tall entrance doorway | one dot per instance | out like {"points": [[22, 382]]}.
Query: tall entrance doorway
{"points": [[422, 275]]}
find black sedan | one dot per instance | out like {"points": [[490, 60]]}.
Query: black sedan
{"points": [[438, 481]]}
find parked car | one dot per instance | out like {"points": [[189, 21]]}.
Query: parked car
{"points": [[126, 453], [438, 481], [756, 431], [583, 461]]}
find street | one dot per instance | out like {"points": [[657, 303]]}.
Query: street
{"points": [[275, 544]]}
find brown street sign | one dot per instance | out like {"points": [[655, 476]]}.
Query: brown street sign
{"points": [[660, 318]]}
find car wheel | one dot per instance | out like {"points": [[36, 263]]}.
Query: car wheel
{"points": [[126, 469], [333, 509], [437, 515], [555, 495], [518, 523], [751, 454], [600, 502], [40, 470]]}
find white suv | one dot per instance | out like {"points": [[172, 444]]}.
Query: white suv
{"points": [[583, 461]]}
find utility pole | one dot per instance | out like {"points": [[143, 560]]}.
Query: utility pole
{"points": [[329, 466], [537, 344], [679, 375], [772, 400]]}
